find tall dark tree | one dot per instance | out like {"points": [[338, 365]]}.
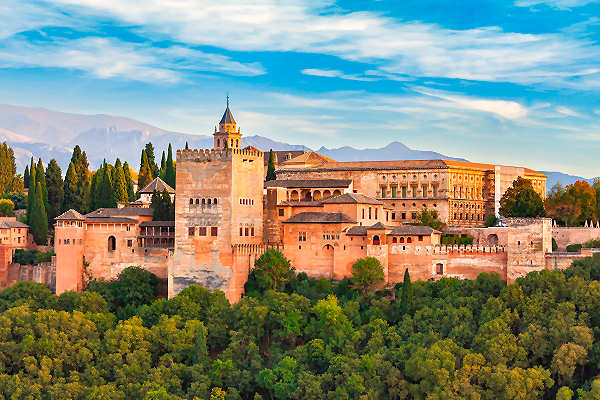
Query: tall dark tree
{"points": [[55, 186], [271, 167], [93, 199], [31, 192], [170, 168], [145, 174], [163, 166], [407, 299], [79, 198], [151, 160], [105, 193], [162, 206], [26, 176], [8, 168], [40, 177], [187, 147], [128, 182], [119, 189], [71, 200], [39, 219]]}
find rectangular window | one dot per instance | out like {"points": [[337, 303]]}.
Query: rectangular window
{"points": [[246, 231], [404, 191], [393, 216], [191, 231], [414, 191], [394, 191], [241, 231], [281, 212], [252, 231], [213, 231], [420, 238], [403, 215], [424, 190], [414, 215], [202, 231], [129, 243], [435, 189], [383, 192], [302, 236], [386, 217]]}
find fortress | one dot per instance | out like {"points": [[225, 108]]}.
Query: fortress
{"points": [[322, 214]]}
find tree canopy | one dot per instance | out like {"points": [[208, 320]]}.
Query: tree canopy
{"points": [[521, 200]]}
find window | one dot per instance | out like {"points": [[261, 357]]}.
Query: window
{"points": [[424, 190], [252, 231], [302, 236], [241, 231], [394, 240], [403, 215], [202, 231], [369, 212], [394, 191], [363, 213], [414, 191], [112, 243], [383, 192], [197, 201], [281, 211], [246, 231], [203, 201], [401, 240], [408, 240], [414, 215], [213, 231], [439, 269], [191, 201], [404, 191], [375, 213], [191, 231], [215, 201], [129, 243], [420, 238], [393, 216]]}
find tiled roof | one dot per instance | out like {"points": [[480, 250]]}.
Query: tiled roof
{"points": [[319, 217], [157, 223], [12, 224], [351, 198], [357, 231], [110, 220], [282, 155], [378, 225], [120, 212], [303, 203], [70, 215], [227, 117], [309, 156], [375, 165], [412, 230], [158, 185], [309, 183]]}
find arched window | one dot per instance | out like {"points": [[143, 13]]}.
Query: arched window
{"points": [[208, 202], [376, 240], [197, 201], [401, 240], [203, 201], [408, 240], [237, 143], [191, 201], [394, 240], [112, 243], [214, 201]]}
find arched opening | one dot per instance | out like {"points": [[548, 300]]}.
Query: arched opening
{"points": [[326, 193], [492, 239], [336, 192], [401, 240], [327, 253], [316, 195], [376, 240], [394, 240], [307, 196], [408, 240], [218, 142], [294, 196], [112, 243], [237, 143]]}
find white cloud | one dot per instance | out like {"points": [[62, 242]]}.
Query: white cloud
{"points": [[19, 16], [561, 4], [404, 48], [569, 112], [106, 58], [329, 73]]}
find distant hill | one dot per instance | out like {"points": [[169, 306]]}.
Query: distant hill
{"points": [[564, 179], [48, 134]]}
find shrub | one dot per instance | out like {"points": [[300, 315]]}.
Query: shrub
{"points": [[592, 244], [574, 248], [7, 208], [367, 273], [554, 245], [32, 257], [456, 239], [490, 220]]}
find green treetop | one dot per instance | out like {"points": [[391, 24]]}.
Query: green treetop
{"points": [[271, 167]]}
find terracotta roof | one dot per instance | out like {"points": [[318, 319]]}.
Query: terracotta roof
{"points": [[309, 156], [357, 231], [227, 117], [110, 220], [351, 198], [483, 166], [12, 224], [120, 212], [378, 225], [412, 230], [374, 165], [157, 223], [320, 217], [309, 183], [70, 215], [157, 184]]}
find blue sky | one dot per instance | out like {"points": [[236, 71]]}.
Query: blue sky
{"points": [[513, 82]]}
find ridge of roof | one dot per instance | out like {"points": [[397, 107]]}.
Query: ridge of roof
{"points": [[158, 185], [351, 198], [227, 117], [319, 217], [309, 183], [69, 215]]}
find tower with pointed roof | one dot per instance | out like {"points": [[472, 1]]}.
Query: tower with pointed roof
{"points": [[228, 135]]}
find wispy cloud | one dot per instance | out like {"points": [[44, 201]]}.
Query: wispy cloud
{"points": [[329, 73], [566, 111], [111, 58], [561, 4], [397, 47]]}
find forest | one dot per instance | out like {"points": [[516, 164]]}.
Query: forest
{"points": [[293, 337]]}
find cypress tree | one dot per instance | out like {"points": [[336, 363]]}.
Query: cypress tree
{"points": [[55, 186], [168, 207], [128, 182], [39, 218], [105, 192], [118, 164], [170, 168], [151, 160], [40, 176], [163, 167], [31, 193], [119, 191], [271, 167], [26, 176], [186, 145], [8, 168], [79, 198], [145, 174], [407, 299], [93, 190], [200, 351], [70, 189]]}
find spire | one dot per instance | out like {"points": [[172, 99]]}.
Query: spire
{"points": [[227, 116]]}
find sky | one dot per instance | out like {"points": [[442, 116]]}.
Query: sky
{"points": [[508, 82]]}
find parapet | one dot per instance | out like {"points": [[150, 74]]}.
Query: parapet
{"points": [[208, 155], [468, 248], [521, 221], [248, 248]]}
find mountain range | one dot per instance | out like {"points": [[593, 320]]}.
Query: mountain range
{"points": [[40, 132]]}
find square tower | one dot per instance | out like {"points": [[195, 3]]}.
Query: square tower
{"points": [[219, 204]]}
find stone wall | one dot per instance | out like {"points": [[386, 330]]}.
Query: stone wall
{"points": [[565, 236]]}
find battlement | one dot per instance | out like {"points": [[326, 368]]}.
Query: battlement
{"points": [[518, 221], [207, 155]]}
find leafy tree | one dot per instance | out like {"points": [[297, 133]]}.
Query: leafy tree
{"points": [[170, 168], [55, 186], [271, 167], [429, 218], [407, 299], [38, 220], [520, 200], [145, 174], [151, 160], [71, 200], [7, 208], [509, 197], [8, 168], [272, 270], [367, 274], [119, 190], [128, 182], [490, 220]]}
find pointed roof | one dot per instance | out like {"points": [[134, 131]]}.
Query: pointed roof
{"points": [[157, 184], [70, 215], [319, 218], [227, 117], [351, 198]]}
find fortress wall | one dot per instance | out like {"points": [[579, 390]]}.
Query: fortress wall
{"points": [[565, 236]]}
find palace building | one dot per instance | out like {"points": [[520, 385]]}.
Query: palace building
{"points": [[322, 214]]}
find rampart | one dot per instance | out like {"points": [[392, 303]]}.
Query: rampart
{"points": [[565, 236]]}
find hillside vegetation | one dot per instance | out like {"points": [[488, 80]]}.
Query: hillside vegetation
{"points": [[311, 339]]}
